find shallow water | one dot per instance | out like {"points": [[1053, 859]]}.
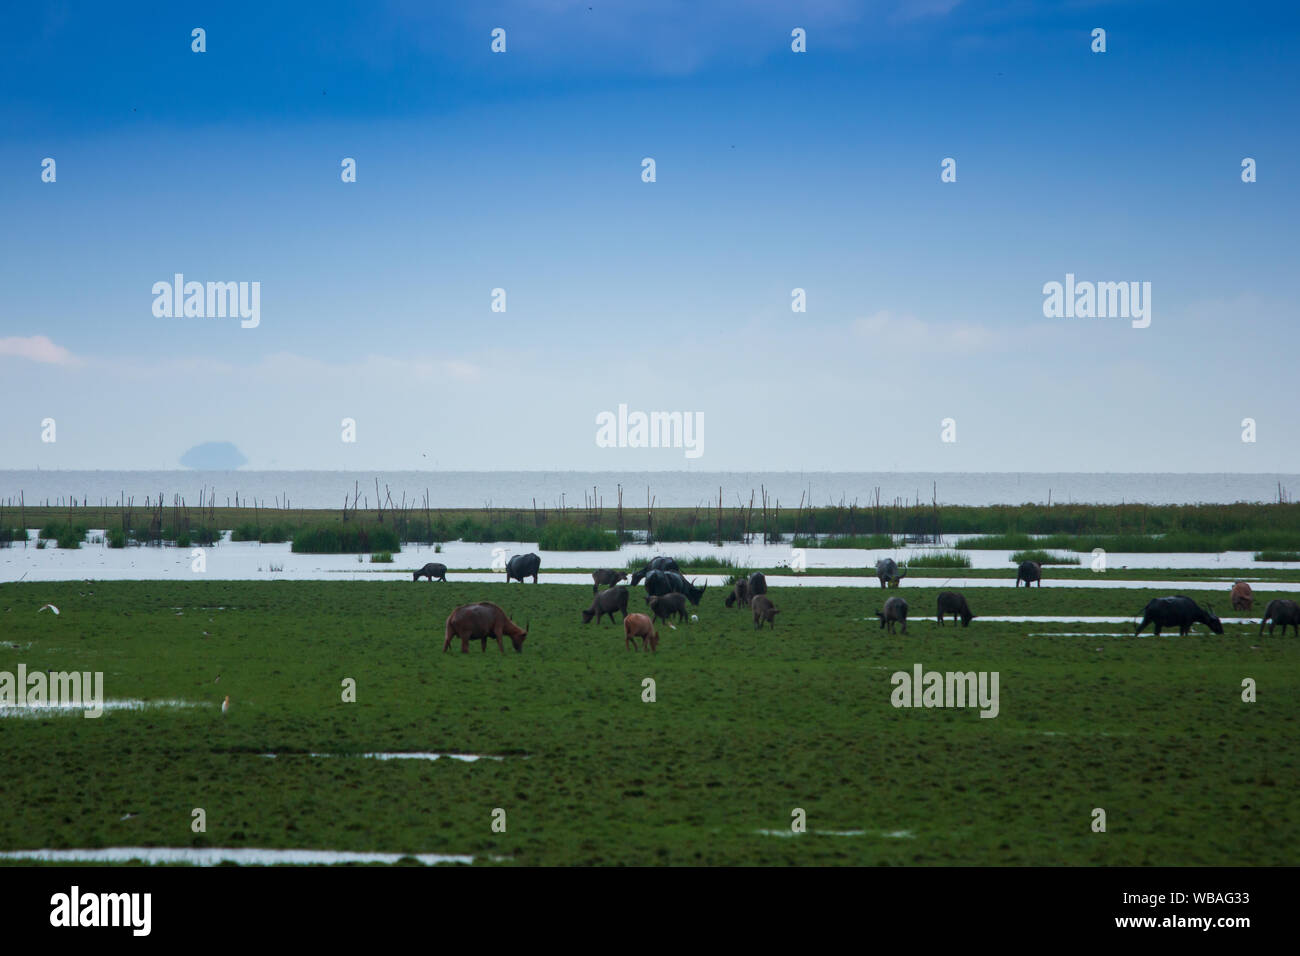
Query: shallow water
{"points": [[888, 834], [466, 758], [212, 856], [248, 560]]}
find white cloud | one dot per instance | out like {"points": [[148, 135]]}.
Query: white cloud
{"points": [[909, 332], [37, 348]]}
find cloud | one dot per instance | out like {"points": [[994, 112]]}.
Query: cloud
{"points": [[37, 348], [908, 332]]}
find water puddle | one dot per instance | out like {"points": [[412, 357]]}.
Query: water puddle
{"points": [[467, 758], [44, 709], [888, 834], [212, 856]]}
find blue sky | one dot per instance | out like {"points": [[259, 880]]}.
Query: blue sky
{"points": [[775, 170]]}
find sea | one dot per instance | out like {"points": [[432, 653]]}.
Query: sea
{"points": [[552, 489]]}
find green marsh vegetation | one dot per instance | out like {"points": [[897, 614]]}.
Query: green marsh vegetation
{"points": [[746, 727], [942, 559], [1043, 557]]}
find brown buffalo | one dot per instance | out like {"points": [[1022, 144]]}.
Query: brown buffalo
{"points": [[663, 606], [606, 602], [605, 577], [764, 611], [740, 592], [478, 622], [1242, 597], [638, 625]]}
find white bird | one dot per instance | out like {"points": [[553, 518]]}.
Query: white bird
{"points": [[225, 704], [50, 606]]}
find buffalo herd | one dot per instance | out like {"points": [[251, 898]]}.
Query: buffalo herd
{"points": [[668, 594]]}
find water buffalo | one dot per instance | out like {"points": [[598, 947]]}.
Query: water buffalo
{"points": [[1242, 597], [607, 602], [670, 582], [606, 577], [1029, 572], [764, 611], [954, 603], [663, 606], [1178, 611], [888, 572], [660, 563], [739, 592], [521, 566], [478, 622], [1286, 613], [757, 583], [638, 625], [432, 570], [895, 611]]}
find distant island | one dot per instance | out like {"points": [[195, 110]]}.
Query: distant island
{"points": [[214, 456]]}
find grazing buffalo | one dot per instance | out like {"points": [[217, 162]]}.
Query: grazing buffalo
{"points": [[739, 592], [607, 602], [522, 566], [478, 622], [757, 583], [606, 577], [1242, 597], [895, 611], [1029, 572], [660, 563], [663, 606], [764, 611], [1178, 611], [638, 625], [432, 570], [888, 572], [1286, 613], [954, 603], [670, 582]]}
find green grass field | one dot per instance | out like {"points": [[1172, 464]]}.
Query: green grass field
{"points": [[746, 728]]}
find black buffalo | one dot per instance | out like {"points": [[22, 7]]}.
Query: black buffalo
{"points": [[522, 566], [660, 563], [1281, 611], [432, 570], [1178, 611], [670, 582], [895, 612], [606, 602], [954, 603], [888, 572], [757, 584], [1029, 572], [607, 577]]}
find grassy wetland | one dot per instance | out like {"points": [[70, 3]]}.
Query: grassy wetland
{"points": [[746, 726]]}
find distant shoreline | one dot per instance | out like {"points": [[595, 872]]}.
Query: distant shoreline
{"points": [[477, 490]]}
